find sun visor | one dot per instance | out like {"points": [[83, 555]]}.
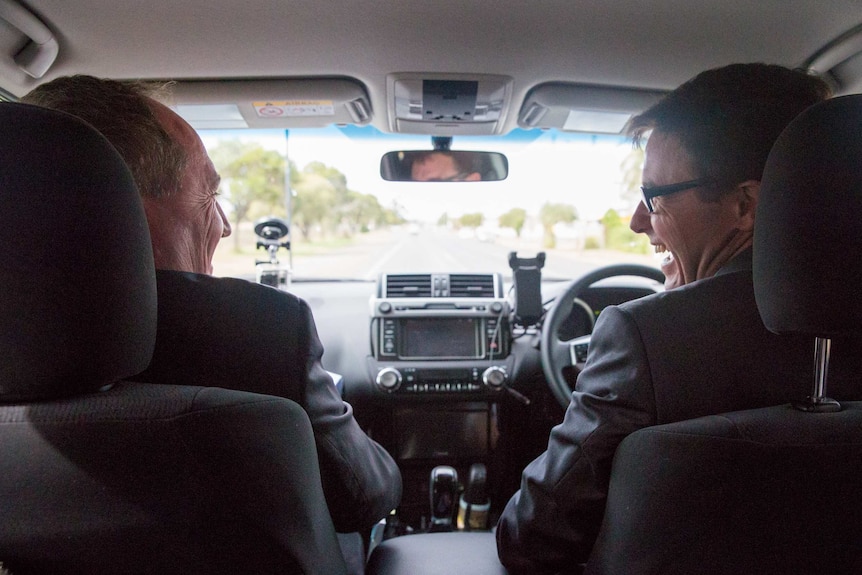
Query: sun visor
{"points": [[284, 103], [583, 108], [448, 104]]}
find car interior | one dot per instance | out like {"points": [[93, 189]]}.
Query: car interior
{"points": [[458, 357]]}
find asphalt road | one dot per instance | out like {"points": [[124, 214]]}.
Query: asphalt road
{"points": [[440, 250], [431, 250]]}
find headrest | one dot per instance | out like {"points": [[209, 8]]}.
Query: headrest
{"points": [[77, 281], [808, 231]]}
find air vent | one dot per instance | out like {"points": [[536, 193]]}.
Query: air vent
{"points": [[418, 285], [471, 285]]}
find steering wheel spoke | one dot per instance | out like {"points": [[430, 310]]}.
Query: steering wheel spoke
{"points": [[561, 352], [571, 352], [578, 348]]}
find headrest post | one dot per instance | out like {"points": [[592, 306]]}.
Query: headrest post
{"points": [[822, 351], [817, 401]]}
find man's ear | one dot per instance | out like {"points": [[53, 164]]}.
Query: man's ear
{"points": [[747, 194]]}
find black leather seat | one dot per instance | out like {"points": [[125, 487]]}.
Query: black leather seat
{"points": [[98, 476], [775, 490], [458, 553]]}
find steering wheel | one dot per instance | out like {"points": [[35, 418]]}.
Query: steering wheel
{"points": [[557, 354]]}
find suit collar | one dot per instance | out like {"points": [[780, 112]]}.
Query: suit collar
{"points": [[741, 262]]}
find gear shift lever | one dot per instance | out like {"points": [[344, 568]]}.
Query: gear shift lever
{"points": [[474, 504], [444, 494]]}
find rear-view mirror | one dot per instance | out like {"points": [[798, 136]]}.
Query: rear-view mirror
{"points": [[443, 166]]}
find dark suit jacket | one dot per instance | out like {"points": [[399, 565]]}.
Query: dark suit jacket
{"points": [[697, 350], [225, 332]]}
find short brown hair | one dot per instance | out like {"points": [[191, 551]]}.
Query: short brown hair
{"points": [[727, 119], [121, 112]]}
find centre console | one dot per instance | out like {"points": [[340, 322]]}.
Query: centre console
{"points": [[440, 358], [435, 334]]}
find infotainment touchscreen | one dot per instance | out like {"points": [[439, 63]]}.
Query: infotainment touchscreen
{"points": [[427, 338]]}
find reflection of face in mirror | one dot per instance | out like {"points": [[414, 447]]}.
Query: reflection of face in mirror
{"points": [[441, 167]]}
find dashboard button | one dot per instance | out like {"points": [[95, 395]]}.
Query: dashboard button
{"points": [[388, 379], [494, 376]]}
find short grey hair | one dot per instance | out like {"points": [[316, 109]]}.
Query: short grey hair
{"points": [[122, 113]]}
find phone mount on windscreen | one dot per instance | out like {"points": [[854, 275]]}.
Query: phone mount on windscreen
{"points": [[271, 231]]}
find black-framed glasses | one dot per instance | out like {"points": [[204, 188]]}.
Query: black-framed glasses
{"points": [[656, 191]]}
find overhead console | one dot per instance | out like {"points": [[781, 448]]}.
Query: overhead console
{"points": [[440, 334], [448, 104]]}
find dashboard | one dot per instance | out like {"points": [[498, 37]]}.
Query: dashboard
{"points": [[440, 371]]}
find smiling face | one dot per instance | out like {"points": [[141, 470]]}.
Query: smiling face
{"points": [[697, 236], [187, 224]]}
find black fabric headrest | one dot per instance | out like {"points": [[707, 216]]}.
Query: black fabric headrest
{"points": [[808, 231], [77, 281]]}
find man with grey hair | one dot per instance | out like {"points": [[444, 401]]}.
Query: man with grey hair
{"points": [[225, 332]]}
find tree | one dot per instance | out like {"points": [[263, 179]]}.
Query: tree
{"points": [[363, 212], [632, 168], [336, 178], [324, 200], [393, 216], [253, 179], [471, 220], [618, 235], [314, 203], [321, 198], [553, 214], [250, 175], [515, 219]]}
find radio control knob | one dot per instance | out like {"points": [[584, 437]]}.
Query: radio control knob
{"points": [[384, 307], [388, 379], [496, 307], [494, 376]]}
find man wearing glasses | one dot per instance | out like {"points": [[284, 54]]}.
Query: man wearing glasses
{"points": [[704, 159], [691, 350]]}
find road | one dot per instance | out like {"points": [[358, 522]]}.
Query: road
{"points": [[441, 250]]}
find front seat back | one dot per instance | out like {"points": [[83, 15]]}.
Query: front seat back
{"points": [[100, 476], [774, 490]]}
